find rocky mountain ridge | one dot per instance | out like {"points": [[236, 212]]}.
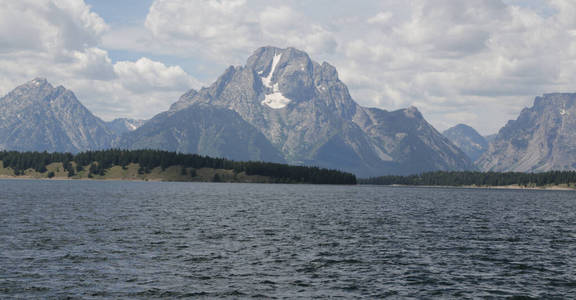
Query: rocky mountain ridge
{"points": [[39, 117], [542, 138]]}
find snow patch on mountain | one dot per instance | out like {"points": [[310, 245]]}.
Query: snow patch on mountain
{"points": [[267, 81], [276, 100]]}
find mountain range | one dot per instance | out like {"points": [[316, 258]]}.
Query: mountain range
{"points": [[281, 106]]}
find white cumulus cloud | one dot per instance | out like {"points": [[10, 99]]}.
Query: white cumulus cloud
{"points": [[226, 30], [479, 61], [146, 75]]}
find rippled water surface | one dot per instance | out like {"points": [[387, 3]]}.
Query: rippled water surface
{"points": [[101, 240]]}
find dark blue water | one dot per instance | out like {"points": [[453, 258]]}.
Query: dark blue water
{"points": [[101, 240]]}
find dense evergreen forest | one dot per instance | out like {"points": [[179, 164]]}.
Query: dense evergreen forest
{"points": [[479, 179], [98, 162]]}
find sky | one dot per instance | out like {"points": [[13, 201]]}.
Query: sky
{"points": [[477, 62]]}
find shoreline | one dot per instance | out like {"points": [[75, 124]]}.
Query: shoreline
{"points": [[131, 173], [506, 187], [84, 179], [500, 187], [4, 177]]}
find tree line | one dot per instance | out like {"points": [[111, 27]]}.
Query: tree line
{"points": [[97, 162], [444, 178]]}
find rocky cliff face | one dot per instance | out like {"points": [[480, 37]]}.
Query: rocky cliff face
{"points": [[308, 115], [541, 139], [468, 140], [39, 117]]}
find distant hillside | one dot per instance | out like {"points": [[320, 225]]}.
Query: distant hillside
{"points": [[468, 140], [160, 166]]}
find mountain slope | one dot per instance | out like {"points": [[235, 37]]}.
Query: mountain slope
{"points": [[307, 113], [123, 125], [411, 143], [491, 137], [39, 117], [205, 130], [468, 140], [543, 138]]}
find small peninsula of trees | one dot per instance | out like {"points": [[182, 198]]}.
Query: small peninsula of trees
{"points": [[442, 178], [98, 162]]}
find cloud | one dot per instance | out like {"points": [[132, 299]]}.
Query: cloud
{"points": [[60, 40], [48, 25], [139, 90], [483, 58], [209, 28], [146, 75], [56, 38], [227, 30], [92, 63], [284, 27]]}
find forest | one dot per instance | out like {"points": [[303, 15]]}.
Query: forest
{"points": [[444, 178], [98, 162]]}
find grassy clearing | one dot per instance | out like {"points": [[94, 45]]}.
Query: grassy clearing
{"points": [[131, 172]]}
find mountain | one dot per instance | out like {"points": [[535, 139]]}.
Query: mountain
{"points": [[123, 125], [39, 117], [468, 140], [543, 138], [308, 116]]}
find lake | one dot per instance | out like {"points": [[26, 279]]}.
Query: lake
{"points": [[101, 240]]}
